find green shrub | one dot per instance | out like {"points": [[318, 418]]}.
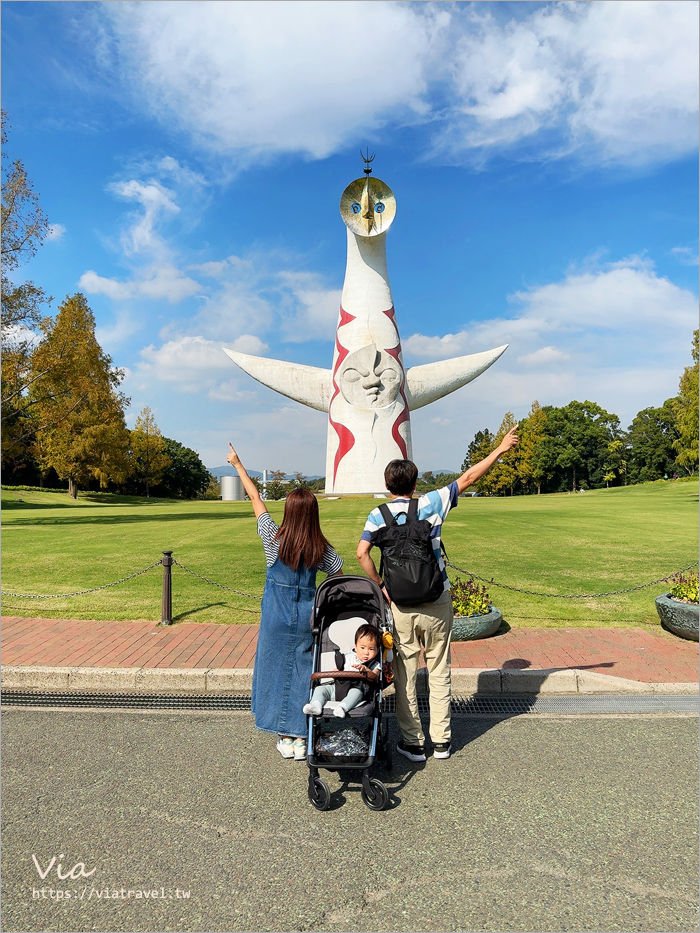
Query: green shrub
{"points": [[469, 599], [685, 587]]}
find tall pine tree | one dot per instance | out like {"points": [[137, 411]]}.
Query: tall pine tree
{"points": [[80, 412], [502, 477], [149, 455], [531, 433], [686, 408]]}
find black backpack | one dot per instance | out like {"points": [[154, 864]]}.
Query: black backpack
{"points": [[408, 567]]}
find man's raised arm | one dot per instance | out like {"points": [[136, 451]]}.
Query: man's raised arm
{"points": [[474, 473]]}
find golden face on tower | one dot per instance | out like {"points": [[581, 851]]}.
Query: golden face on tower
{"points": [[367, 206]]}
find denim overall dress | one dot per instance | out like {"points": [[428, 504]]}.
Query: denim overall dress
{"points": [[282, 670]]}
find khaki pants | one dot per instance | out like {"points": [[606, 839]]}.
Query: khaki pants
{"points": [[428, 626]]}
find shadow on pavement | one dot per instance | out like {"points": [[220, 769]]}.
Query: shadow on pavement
{"points": [[480, 723]]}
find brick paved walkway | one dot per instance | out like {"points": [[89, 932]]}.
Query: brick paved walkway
{"points": [[636, 654]]}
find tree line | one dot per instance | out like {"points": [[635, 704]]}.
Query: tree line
{"points": [[582, 446], [63, 414]]}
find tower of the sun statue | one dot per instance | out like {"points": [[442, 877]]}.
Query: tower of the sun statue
{"points": [[368, 394]]}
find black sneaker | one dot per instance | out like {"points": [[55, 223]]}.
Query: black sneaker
{"points": [[442, 750], [412, 752]]}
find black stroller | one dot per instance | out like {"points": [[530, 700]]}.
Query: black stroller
{"points": [[343, 603]]}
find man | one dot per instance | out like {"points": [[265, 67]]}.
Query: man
{"points": [[428, 625]]}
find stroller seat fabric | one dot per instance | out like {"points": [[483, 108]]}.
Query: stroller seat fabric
{"points": [[337, 639]]}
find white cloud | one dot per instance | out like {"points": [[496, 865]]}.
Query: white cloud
{"points": [[612, 82], [625, 297], [123, 326], [230, 391], [543, 356], [55, 232], [314, 308], [621, 306], [234, 308], [185, 358], [181, 174], [418, 346], [686, 255], [618, 335], [259, 294], [158, 283], [275, 76], [214, 269], [153, 261], [194, 365], [156, 200], [188, 364], [248, 343]]}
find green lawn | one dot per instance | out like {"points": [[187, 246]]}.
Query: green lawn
{"points": [[559, 544]]}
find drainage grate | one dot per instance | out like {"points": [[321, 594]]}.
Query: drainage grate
{"points": [[175, 701], [578, 703], [461, 705]]}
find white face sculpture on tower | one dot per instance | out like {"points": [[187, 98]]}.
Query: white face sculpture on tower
{"points": [[368, 395]]}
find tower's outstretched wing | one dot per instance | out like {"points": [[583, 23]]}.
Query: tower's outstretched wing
{"points": [[434, 380], [306, 384]]}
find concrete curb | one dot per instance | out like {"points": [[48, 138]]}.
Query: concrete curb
{"points": [[465, 681]]}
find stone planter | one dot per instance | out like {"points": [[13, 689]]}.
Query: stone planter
{"points": [[469, 628], [679, 618]]}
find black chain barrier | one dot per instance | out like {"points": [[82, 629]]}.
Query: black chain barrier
{"points": [[95, 589], [515, 589], [222, 586], [213, 583]]}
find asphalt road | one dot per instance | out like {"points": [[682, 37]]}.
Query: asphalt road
{"points": [[535, 824]]}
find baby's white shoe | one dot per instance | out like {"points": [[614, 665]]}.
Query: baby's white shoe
{"points": [[312, 708], [339, 712]]}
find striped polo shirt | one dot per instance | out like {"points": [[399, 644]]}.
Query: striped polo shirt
{"points": [[267, 529], [433, 506]]}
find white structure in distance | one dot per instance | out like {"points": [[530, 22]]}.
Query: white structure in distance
{"points": [[231, 489], [367, 393]]}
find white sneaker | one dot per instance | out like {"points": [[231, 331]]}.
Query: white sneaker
{"points": [[339, 712], [285, 747], [299, 749], [313, 708]]}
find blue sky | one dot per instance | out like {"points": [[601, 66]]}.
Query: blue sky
{"points": [[191, 157]]}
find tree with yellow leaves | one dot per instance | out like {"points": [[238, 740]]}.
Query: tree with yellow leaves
{"points": [[74, 389], [149, 456]]}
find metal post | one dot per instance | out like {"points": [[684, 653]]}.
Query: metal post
{"points": [[166, 614]]}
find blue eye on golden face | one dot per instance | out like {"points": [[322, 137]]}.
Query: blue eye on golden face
{"points": [[379, 207], [356, 208]]}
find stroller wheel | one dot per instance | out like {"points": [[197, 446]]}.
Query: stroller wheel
{"points": [[375, 794], [319, 793]]}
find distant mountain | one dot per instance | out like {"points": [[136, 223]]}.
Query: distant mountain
{"points": [[228, 470]]}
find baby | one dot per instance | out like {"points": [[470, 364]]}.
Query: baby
{"points": [[364, 657]]}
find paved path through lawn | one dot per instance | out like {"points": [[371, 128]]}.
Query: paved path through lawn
{"points": [[633, 653]]}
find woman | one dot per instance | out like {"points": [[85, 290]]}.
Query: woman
{"points": [[294, 552]]}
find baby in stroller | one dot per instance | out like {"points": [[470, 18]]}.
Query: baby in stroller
{"points": [[365, 658]]}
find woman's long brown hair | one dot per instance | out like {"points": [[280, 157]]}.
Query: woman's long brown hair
{"points": [[300, 537]]}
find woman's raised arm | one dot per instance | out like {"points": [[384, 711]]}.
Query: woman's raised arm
{"points": [[251, 489]]}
